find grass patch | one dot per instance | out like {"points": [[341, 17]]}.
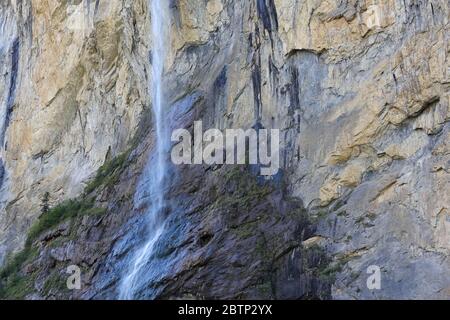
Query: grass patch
{"points": [[67, 210], [54, 282], [27, 254], [246, 230], [17, 287], [241, 190], [109, 173], [14, 284], [329, 272], [265, 289]]}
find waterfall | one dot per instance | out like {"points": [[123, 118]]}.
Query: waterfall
{"points": [[8, 27], [9, 61], [9, 68], [152, 187]]}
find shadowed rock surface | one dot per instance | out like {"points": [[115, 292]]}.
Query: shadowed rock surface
{"points": [[360, 92]]}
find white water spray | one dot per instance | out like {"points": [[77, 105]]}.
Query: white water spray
{"points": [[8, 68], [156, 168]]}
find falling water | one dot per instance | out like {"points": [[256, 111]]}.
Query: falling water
{"points": [[9, 60], [9, 68], [156, 168]]}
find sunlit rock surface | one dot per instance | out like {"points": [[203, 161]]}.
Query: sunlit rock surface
{"points": [[359, 90]]}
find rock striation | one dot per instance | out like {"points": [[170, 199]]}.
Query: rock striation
{"points": [[359, 89]]}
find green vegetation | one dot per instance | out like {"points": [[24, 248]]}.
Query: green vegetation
{"points": [[17, 284], [67, 210], [329, 270], [17, 287], [28, 253], [242, 190], [109, 173], [45, 206], [54, 281], [246, 230], [329, 273], [265, 289], [13, 285], [240, 193]]}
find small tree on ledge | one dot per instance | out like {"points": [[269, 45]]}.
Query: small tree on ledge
{"points": [[45, 206]]}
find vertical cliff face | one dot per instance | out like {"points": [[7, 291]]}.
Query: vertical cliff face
{"points": [[359, 90], [73, 92]]}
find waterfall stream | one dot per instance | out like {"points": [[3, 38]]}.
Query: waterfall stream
{"points": [[9, 68], [153, 177], [9, 60]]}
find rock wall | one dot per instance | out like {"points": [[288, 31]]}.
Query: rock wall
{"points": [[80, 92], [359, 90]]}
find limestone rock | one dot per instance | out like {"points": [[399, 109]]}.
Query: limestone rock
{"points": [[359, 89]]}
